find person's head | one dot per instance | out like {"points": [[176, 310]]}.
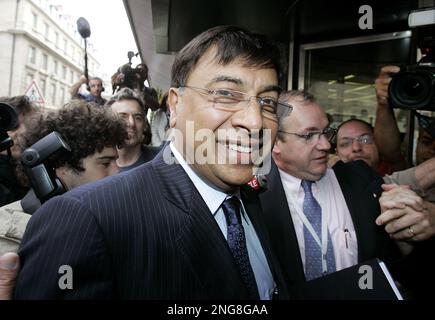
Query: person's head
{"points": [[93, 135], [303, 141], [151, 99], [210, 77], [130, 107], [95, 86], [425, 149], [355, 141], [24, 108]]}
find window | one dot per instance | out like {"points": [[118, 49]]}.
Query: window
{"points": [[34, 20], [341, 74], [44, 63], [53, 93], [71, 76], [62, 95], [55, 67], [56, 39], [32, 54], [46, 30], [63, 72], [65, 44], [43, 86], [29, 79]]}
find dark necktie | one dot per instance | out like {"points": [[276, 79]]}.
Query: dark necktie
{"points": [[313, 252], [237, 243]]}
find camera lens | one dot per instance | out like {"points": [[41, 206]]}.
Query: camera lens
{"points": [[411, 90], [8, 117]]}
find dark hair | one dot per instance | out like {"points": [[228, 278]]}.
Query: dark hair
{"points": [[368, 125], [126, 94], [164, 101], [151, 98], [129, 94], [21, 104], [85, 128], [232, 43]]}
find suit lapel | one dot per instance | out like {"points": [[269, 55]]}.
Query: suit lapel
{"points": [[361, 213], [201, 241], [254, 211], [281, 228]]}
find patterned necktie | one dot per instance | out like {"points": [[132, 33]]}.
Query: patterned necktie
{"points": [[237, 243], [313, 252]]}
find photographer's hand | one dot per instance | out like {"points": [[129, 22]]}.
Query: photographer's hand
{"points": [[74, 90], [382, 83], [386, 131]]}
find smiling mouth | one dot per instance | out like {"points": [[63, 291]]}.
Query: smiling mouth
{"points": [[239, 147]]}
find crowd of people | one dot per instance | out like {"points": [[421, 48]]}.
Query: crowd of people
{"points": [[177, 219]]}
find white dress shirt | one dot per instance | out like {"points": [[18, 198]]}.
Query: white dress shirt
{"points": [[214, 199], [327, 192]]}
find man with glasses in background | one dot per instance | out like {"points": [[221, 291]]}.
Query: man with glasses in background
{"points": [[177, 227], [355, 141], [327, 222]]}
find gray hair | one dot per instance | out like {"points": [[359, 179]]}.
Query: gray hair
{"points": [[285, 98], [126, 94]]}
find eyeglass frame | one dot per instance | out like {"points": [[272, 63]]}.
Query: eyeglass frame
{"points": [[307, 137], [359, 139], [260, 100]]}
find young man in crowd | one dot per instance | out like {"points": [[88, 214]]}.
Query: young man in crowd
{"points": [[93, 156]]}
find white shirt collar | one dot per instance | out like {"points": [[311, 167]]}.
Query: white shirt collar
{"points": [[291, 181], [212, 197]]}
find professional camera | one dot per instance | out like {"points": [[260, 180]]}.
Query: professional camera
{"points": [[8, 121], [43, 177], [129, 77], [414, 86]]}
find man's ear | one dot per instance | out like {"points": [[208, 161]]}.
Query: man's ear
{"points": [[276, 148], [173, 99], [62, 173]]}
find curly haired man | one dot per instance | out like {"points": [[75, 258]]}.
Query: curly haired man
{"points": [[93, 157]]}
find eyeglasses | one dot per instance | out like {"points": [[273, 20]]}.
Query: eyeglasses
{"points": [[364, 139], [230, 100], [309, 137]]}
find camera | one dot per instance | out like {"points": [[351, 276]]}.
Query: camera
{"points": [[8, 121], [127, 76], [414, 87], [43, 177]]}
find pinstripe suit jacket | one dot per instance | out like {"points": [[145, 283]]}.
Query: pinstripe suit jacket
{"points": [[143, 234]]}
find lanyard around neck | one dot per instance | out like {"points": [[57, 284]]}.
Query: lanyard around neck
{"points": [[323, 242]]}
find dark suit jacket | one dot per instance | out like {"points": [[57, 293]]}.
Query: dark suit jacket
{"points": [[142, 234], [361, 188]]}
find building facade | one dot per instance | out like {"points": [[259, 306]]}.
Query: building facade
{"points": [[40, 49]]}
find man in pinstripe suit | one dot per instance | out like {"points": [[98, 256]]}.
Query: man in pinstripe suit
{"points": [[162, 230]]}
